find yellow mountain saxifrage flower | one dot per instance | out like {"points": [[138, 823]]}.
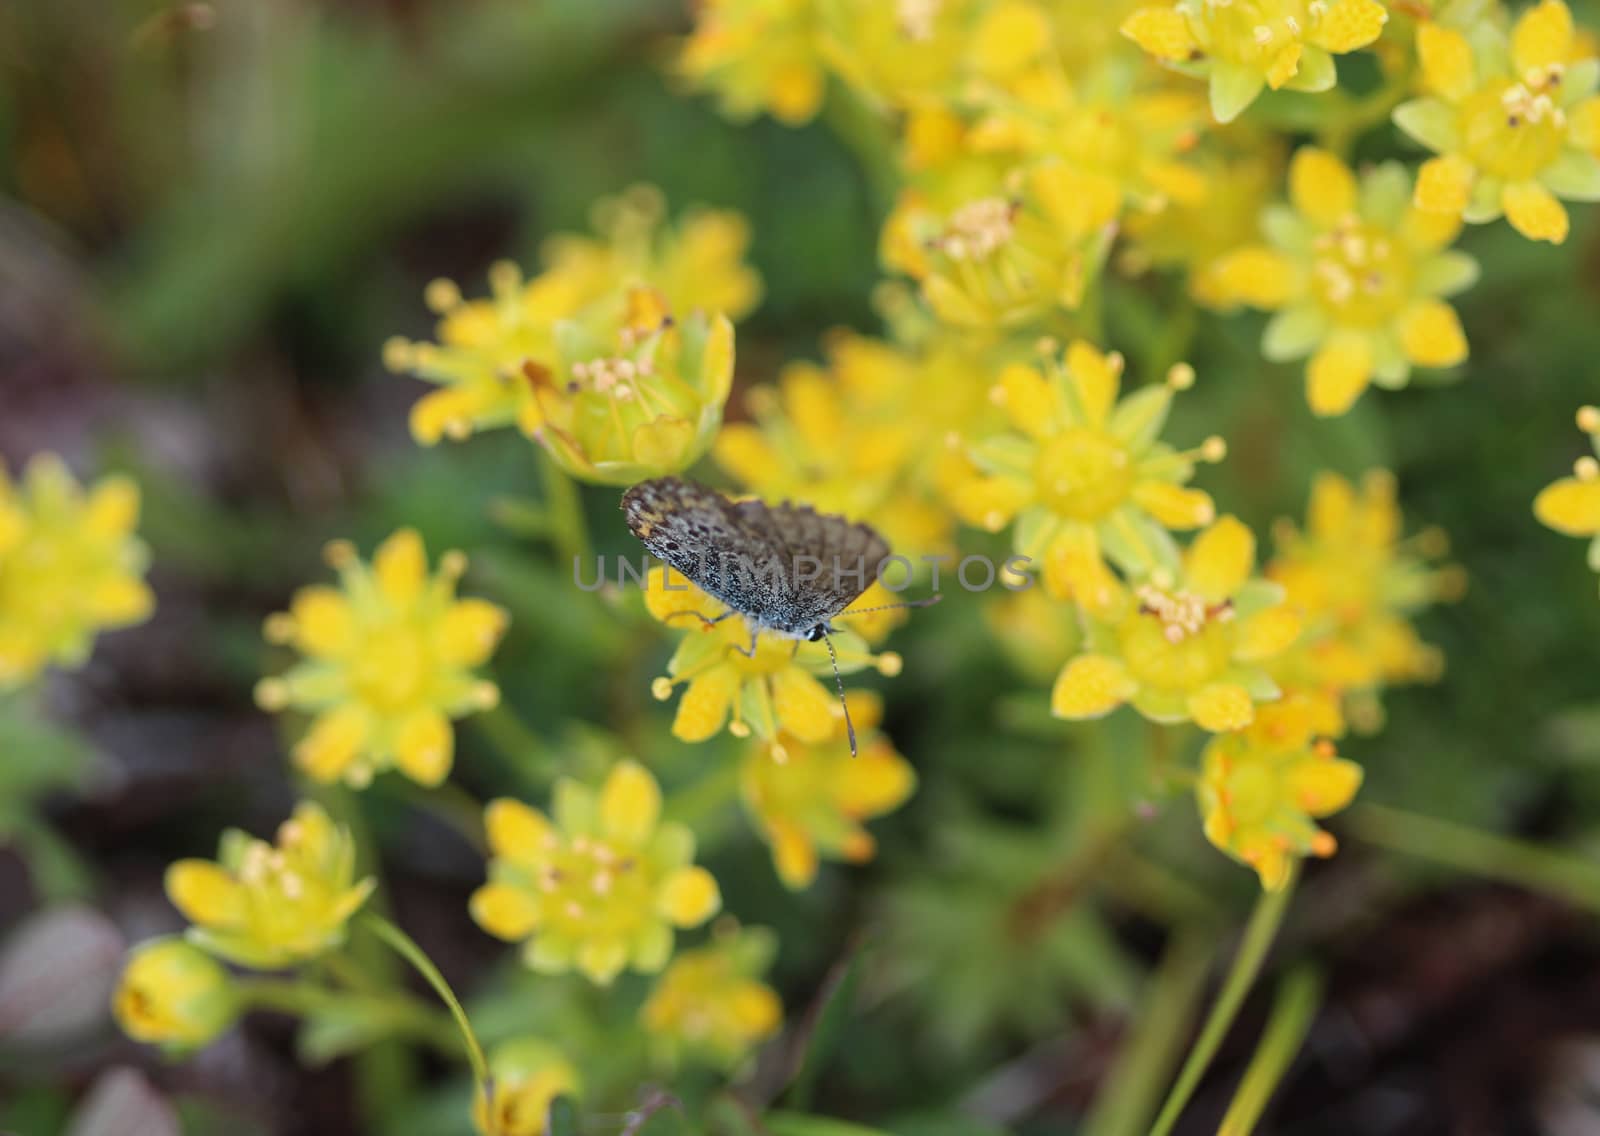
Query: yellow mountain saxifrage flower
{"points": [[917, 53], [1355, 583], [598, 889], [524, 356], [1185, 646], [1123, 142], [775, 690], [1084, 475], [757, 56], [1262, 788], [70, 567], [863, 437], [810, 798], [526, 1075], [1356, 276], [273, 905], [174, 994], [1572, 504], [1245, 46], [711, 1003], [1515, 124], [391, 658], [993, 250]]}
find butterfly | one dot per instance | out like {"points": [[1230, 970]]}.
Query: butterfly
{"points": [[786, 569]]}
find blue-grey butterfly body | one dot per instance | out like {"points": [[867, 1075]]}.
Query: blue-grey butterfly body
{"points": [[787, 569]]}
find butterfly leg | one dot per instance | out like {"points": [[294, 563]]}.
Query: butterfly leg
{"points": [[750, 651], [707, 621]]}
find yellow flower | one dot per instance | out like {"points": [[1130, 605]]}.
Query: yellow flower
{"points": [[913, 53], [70, 567], [1354, 583], [770, 691], [1185, 646], [1260, 790], [712, 1003], [1515, 123], [267, 906], [812, 797], [390, 660], [1084, 475], [600, 888], [993, 250], [526, 1075], [1572, 505], [757, 55], [1356, 276], [1248, 45], [173, 993], [618, 357], [864, 437]]}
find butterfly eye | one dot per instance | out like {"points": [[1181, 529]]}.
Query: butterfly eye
{"points": [[820, 631]]}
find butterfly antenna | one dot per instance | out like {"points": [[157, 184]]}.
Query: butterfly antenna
{"points": [[849, 726], [929, 601]]}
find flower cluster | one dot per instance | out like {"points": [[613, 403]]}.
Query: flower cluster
{"points": [[70, 567], [711, 1001], [390, 659], [617, 358]]}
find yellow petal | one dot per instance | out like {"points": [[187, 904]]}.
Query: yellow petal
{"points": [[1221, 707], [425, 747], [794, 855], [1285, 65], [1321, 187], [1254, 275], [1097, 378], [1078, 201], [470, 631], [1075, 570], [1321, 786], [324, 624], [205, 893], [1583, 125], [1174, 506], [1220, 559], [704, 706], [630, 804], [1542, 36], [1163, 32], [1431, 335], [1446, 58], [1091, 686], [805, 708], [504, 911], [1534, 212], [743, 450], [518, 832], [1444, 185], [1337, 374], [689, 897], [755, 1009], [1348, 24], [401, 566], [333, 743], [112, 510], [1332, 508], [1009, 36], [1267, 633], [1571, 506], [120, 600], [873, 784], [795, 93]]}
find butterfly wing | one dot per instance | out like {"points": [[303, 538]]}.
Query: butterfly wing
{"points": [[843, 559], [697, 531]]}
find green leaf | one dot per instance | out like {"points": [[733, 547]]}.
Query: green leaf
{"points": [[1232, 89], [802, 1124], [341, 1028], [1316, 73], [1430, 122], [825, 1026], [1294, 333], [1574, 176], [1296, 1004]]}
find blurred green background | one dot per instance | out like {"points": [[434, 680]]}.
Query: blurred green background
{"points": [[213, 215]]}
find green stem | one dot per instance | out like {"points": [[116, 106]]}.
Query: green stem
{"points": [[1296, 1004], [306, 999], [1124, 1106], [517, 744], [407, 949], [450, 803], [568, 529], [1466, 849], [1258, 936]]}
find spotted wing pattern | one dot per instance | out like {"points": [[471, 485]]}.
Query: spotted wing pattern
{"points": [[774, 565]]}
